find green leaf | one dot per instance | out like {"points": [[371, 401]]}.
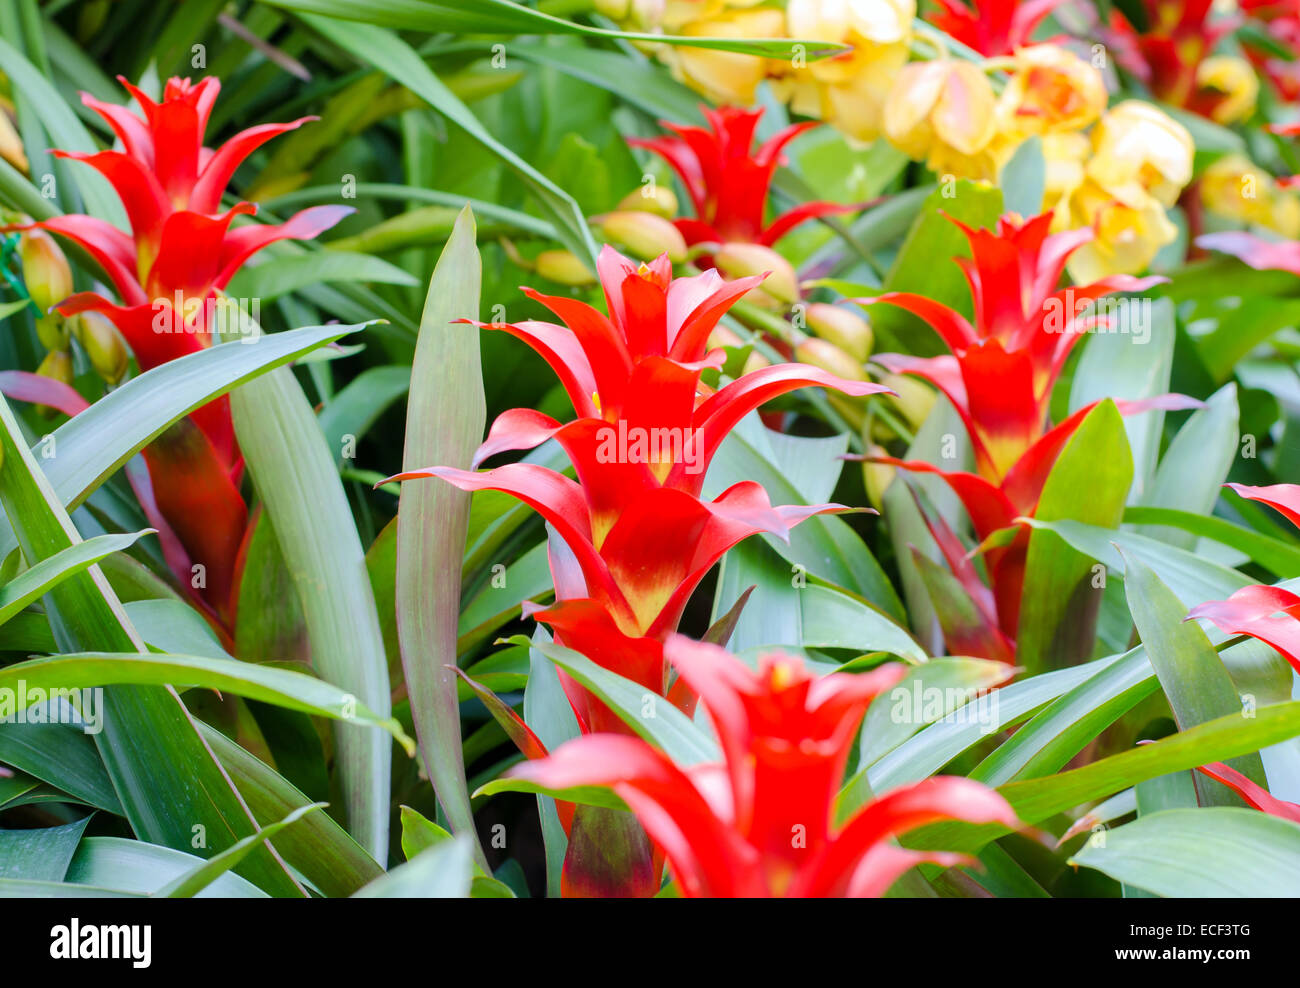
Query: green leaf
{"points": [[1088, 483], [1194, 579], [1035, 800], [295, 476], [1190, 671], [135, 866], [388, 53], [201, 876], [1197, 462], [1024, 178], [930, 691], [46, 574], [1133, 362], [442, 871], [1280, 557], [65, 132], [548, 713], [317, 847], [444, 425], [281, 275], [64, 756], [652, 717], [1216, 853], [358, 406], [504, 16], [935, 746], [639, 82], [165, 776], [90, 447], [294, 690], [41, 854], [419, 834], [924, 264]]}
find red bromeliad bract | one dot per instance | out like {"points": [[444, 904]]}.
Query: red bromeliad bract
{"points": [[762, 823], [1165, 56], [635, 535], [1254, 794], [1269, 614], [999, 376], [992, 27], [180, 253], [727, 182]]}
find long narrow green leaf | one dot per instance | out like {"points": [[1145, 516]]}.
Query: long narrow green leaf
{"points": [[1088, 483], [317, 847], [390, 54], [497, 16], [1035, 800], [444, 424], [201, 876], [172, 788], [34, 582], [1200, 853], [90, 447], [294, 474], [293, 690], [1190, 671]]}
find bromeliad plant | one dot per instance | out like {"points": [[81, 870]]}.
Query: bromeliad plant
{"points": [[951, 697], [999, 376], [763, 822], [633, 537], [169, 273]]}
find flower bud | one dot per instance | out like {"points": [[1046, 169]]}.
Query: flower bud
{"points": [[876, 477], [829, 357], [11, 145], [57, 366], [755, 361], [103, 345], [45, 269], [1233, 87], [914, 400], [742, 260], [645, 235], [838, 325], [564, 267], [657, 199], [53, 331]]}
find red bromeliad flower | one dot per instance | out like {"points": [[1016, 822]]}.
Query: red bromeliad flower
{"points": [[181, 252], [1281, 22], [992, 27], [999, 376], [727, 182], [1269, 614], [635, 536], [1179, 36], [762, 823]]}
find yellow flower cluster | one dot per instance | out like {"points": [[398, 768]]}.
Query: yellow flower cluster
{"points": [[1116, 170], [1234, 188], [1121, 179]]}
